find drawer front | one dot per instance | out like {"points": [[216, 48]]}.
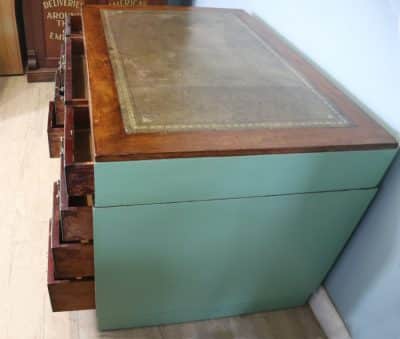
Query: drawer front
{"points": [[79, 177], [54, 132], [173, 180], [76, 215], [71, 260], [69, 295], [78, 164], [200, 260], [75, 75]]}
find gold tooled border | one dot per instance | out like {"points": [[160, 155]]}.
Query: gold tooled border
{"points": [[128, 106]]}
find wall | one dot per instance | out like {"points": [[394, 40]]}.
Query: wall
{"points": [[358, 43]]}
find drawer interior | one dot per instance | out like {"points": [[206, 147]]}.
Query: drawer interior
{"points": [[73, 25], [78, 153], [76, 212], [78, 127], [79, 77], [82, 148], [75, 83]]}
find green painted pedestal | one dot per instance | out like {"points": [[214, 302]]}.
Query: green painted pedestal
{"points": [[167, 257]]}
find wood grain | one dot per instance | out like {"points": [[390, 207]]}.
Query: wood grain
{"points": [[75, 75], [78, 164], [111, 143], [73, 26], [10, 52], [76, 214]]}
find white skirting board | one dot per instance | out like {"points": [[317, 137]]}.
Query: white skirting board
{"points": [[327, 315]]}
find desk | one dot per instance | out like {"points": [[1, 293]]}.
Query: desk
{"points": [[224, 172]]}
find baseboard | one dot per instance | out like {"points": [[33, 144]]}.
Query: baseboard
{"points": [[325, 312]]}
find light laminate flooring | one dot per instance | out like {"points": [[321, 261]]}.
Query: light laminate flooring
{"points": [[26, 177]]}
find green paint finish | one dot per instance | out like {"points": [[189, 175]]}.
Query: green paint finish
{"points": [[171, 180], [166, 263]]}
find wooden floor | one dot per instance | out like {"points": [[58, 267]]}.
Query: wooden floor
{"points": [[26, 177]]}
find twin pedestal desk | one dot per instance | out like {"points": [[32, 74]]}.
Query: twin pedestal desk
{"points": [[207, 168]]}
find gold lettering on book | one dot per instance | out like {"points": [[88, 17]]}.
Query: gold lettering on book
{"points": [[127, 3], [56, 36], [49, 4]]}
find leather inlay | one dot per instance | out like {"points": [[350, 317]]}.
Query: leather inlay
{"points": [[180, 71]]}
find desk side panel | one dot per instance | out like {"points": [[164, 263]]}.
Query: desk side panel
{"points": [[168, 263], [173, 180]]}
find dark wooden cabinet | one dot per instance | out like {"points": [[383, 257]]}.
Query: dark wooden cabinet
{"points": [[44, 30], [10, 51]]}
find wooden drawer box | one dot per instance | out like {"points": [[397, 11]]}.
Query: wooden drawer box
{"points": [[71, 260], [78, 163], [76, 218], [75, 76], [73, 26], [55, 132], [59, 107], [69, 295]]}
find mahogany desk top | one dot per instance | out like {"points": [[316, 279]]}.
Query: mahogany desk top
{"points": [[210, 82]]}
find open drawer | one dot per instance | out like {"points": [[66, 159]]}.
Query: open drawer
{"points": [[71, 260], [69, 295], [55, 132], [75, 75], [76, 214], [78, 160], [73, 25]]}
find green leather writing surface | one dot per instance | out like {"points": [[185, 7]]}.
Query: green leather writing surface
{"points": [[170, 180], [164, 263], [187, 70]]}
